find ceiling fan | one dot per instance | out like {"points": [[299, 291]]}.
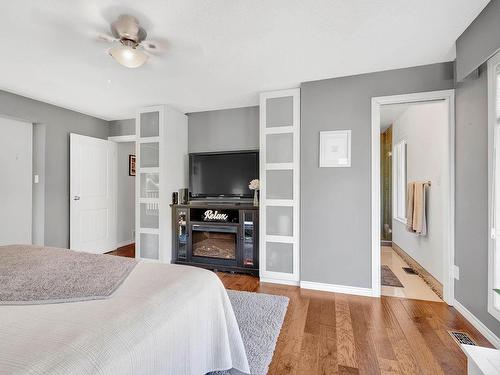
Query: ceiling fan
{"points": [[128, 32]]}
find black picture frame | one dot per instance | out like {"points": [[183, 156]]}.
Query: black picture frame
{"points": [[131, 165]]}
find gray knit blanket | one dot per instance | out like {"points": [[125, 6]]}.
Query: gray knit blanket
{"points": [[41, 275]]}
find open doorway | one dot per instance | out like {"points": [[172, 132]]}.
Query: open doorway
{"points": [[125, 197], [413, 206]]}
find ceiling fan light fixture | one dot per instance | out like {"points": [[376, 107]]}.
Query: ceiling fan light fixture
{"points": [[128, 56]]}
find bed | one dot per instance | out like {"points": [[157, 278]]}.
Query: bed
{"points": [[162, 319]]}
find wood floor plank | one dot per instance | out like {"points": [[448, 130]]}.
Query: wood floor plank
{"points": [[445, 358], [287, 359], [327, 360], [344, 370], [388, 367], [327, 314], [406, 360], [366, 354], [309, 354], [374, 315], [450, 360], [427, 362], [286, 355], [439, 326], [313, 316], [346, 349]]}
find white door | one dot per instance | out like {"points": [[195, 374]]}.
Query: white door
{"points": [[15, 182], [92, 194]]}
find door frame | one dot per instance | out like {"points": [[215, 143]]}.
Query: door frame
{"points": [[448, 96], [493, 63]]}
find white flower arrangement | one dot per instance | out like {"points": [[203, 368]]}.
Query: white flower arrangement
{"points": [[254, 185]]}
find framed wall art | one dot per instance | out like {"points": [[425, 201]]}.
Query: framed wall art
{"points": [[335, 148]]}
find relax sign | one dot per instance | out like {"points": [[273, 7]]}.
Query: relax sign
{"points": [[211, 215]]}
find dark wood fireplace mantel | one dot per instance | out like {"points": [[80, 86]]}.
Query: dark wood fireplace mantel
{"points": [[218, 236]]}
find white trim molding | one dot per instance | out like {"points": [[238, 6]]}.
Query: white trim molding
{"points": [[366, 292], [448, 96], [493, 170], [123, 138], [472, 319], [278, 281]]}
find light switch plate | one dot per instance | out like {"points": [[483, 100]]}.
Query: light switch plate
{"points": [[36, 179], [456, 272]]}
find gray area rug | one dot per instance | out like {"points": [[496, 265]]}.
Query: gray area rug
{"points": [[39, 275], [260, 317], [389, 278]]}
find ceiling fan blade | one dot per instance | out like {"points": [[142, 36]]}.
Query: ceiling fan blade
{"points": [[106, 38], [149, 46], [155, 46]]}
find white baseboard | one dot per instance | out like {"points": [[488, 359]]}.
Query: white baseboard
{"points": [[124, 243], [485, 331], [367, 292], [278, 281]]}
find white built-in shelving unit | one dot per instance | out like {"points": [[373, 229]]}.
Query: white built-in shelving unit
{"points": [[161, 169]]}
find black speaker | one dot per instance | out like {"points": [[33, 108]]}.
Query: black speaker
{"points": [[183, 196], [175, 197]]}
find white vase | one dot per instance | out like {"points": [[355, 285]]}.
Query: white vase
{"points": [[255, 198]]}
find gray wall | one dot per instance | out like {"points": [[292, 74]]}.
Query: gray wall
{"points": [[125, 195], [474, 46], [480, 41], [59, 123], [471, 197], [122, 127], [224, 130], [335, 202]]}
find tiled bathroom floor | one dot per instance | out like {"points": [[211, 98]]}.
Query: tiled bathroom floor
{"points": [[414, 286]]}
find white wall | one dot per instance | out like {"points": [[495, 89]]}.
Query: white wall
{"points": [[15, 182], [423, 126], [125, 195]]}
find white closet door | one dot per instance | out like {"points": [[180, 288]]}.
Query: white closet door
{"points": [[15, 182], [280, 183], [92, 194]]}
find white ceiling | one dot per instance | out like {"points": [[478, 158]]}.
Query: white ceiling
{"points": [[389, 113], [221, 53]]}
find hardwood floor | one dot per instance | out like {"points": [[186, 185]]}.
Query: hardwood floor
{"points": [[330, 333], [125, 251]]}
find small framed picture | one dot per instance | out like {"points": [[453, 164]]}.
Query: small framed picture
{"points": [[335, 148], [131, 165]]}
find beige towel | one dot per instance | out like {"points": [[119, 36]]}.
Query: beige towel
{"points": [[416, 221], [409, 206]]}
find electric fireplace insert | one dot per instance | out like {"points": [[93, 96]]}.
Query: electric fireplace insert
{"points": [[215, 241]]}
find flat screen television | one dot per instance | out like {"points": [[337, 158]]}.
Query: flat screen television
{"points": [[222, 174]]}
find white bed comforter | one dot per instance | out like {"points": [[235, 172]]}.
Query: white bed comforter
{"points": [[164, 319]]}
